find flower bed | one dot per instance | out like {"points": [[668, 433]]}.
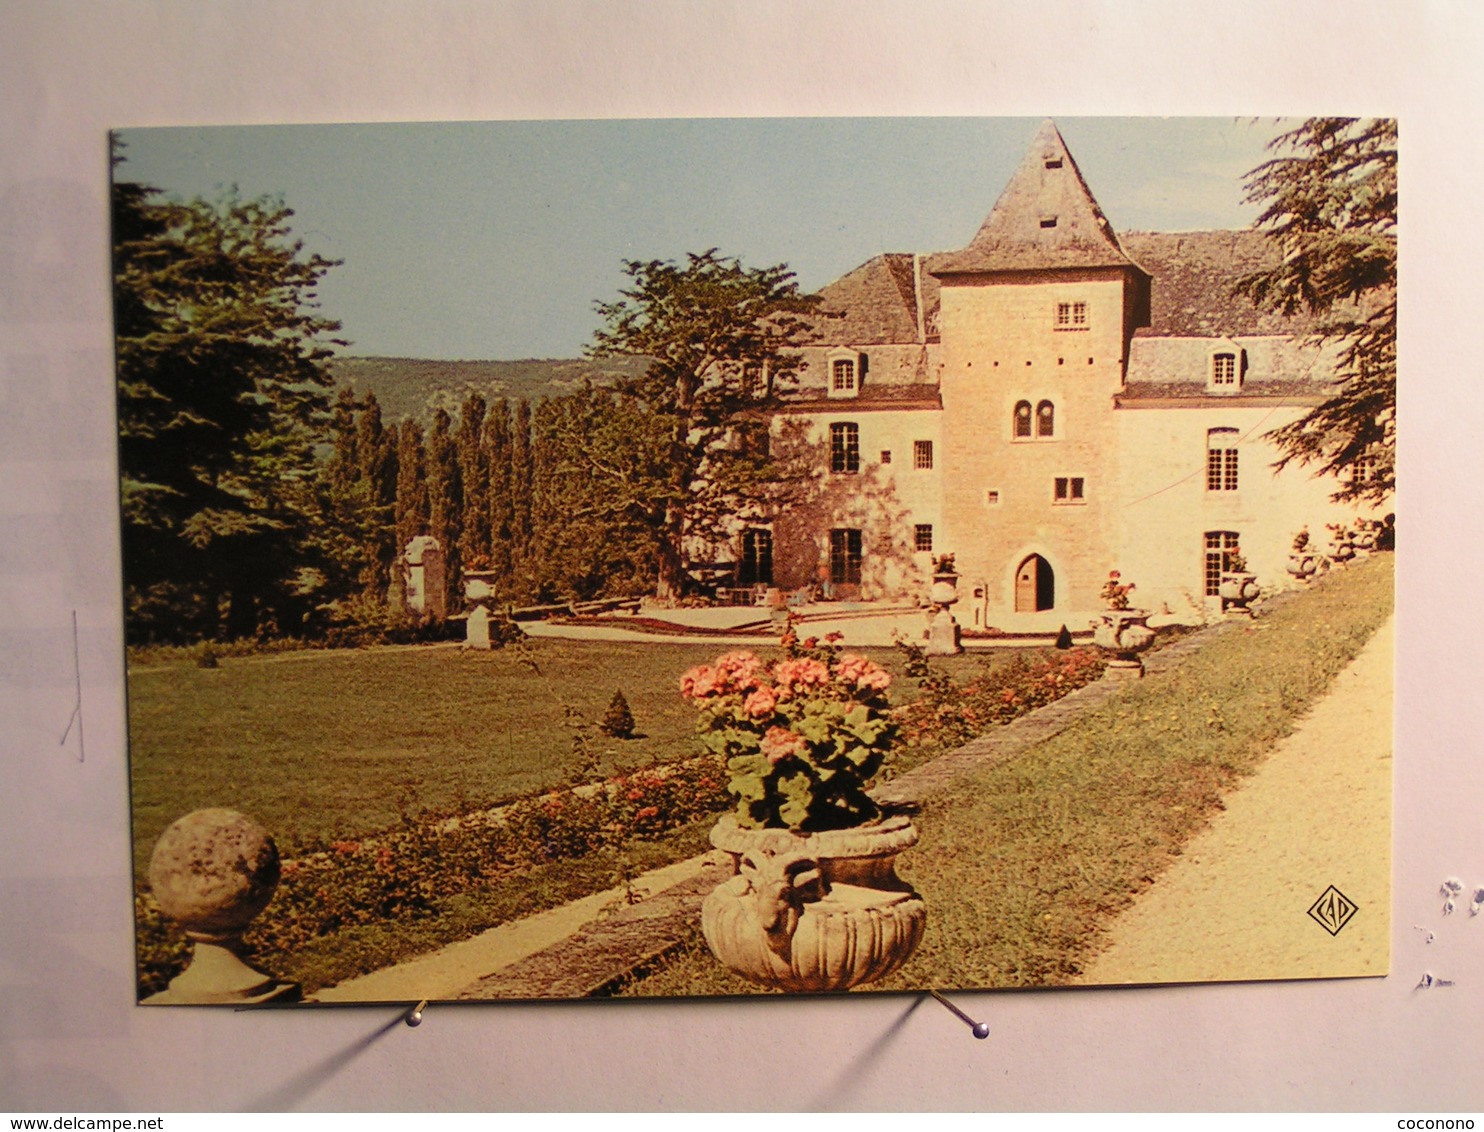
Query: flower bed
{"points": [[948, 714], [406, 872]]}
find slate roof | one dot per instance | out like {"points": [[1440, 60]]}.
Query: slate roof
{"points": [[876, 303], [1163, 368], [1194, 275], [1046, 218]]}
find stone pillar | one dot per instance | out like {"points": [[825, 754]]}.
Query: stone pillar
{"points": [[477, 629], [425, 580], [943, 629], [212, 872]]}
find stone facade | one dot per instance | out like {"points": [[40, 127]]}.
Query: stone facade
{"points": [[1048, 404]]}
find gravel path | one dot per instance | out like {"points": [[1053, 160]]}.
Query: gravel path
{"points": [[1317, 813]]}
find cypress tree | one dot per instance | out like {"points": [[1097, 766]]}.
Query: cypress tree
{"points": [[497, 446], [474, 520]]}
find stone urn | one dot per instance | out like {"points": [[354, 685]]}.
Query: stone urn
{"points": [[479, 585], [944, 590], [1303, 565], [813, 912], [1124, 633], [1238, 589], [212, 872], [943, 628]]}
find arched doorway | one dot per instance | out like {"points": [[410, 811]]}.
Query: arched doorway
{"points": [[1035, 585]]}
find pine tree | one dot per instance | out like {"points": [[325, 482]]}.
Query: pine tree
{"points": [[1329, 197], [223, 399]]}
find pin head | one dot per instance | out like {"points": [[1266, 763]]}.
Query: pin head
{"points": [[981, 1029]]}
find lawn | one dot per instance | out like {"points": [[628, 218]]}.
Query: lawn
{"points": [[325, 744], [1024, 865]]}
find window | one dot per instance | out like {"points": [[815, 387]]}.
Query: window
{"points": [[1219, 545], [756, 565], [922, 455], [1221, 459], [1366, 469], [1048, 222], [1045, 419], [1067, 489], [846, 369], [992, 498], [1022, 420], [845, 557], [845, 448], [1224, 369], [922, 536], [1228, 367], [886, 455], [1071, 316]]}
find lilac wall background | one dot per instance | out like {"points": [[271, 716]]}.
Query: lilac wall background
{"points": [[69, 1034]]}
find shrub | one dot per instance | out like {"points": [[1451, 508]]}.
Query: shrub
{"points": [[618, 720]]}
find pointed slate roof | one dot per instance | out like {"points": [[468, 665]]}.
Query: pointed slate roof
{"points": [[1045, 219], [876, 303]]}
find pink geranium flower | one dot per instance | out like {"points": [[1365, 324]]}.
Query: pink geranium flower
{"points": [[762, 703], [780, 742], [699, 683], [862, 673]]}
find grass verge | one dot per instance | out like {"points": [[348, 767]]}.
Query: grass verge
{"points": [[1024, 865]]}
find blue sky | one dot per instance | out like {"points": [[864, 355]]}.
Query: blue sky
{"points": [[494, 240]]}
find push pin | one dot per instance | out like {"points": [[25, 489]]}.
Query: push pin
{"points": [[980, 1029], [415, 1015]]}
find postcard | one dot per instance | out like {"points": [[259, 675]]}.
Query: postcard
{"points": [[711, 557]]}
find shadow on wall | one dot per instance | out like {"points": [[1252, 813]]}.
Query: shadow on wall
{"points": [[805, 527]]}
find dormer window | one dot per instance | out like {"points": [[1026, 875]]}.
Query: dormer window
{"points": [[846, 368], [1071, 316], [1228, 367]]}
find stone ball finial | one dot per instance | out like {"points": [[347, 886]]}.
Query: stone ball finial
{"points": [[212, 871]]}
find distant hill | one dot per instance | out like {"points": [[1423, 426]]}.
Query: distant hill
{"points": [[416, 387]]}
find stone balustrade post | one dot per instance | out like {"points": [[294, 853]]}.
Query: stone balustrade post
{"points": [[213, 871]]}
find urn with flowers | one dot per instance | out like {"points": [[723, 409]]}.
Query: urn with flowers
{"points": [[1303, 562], [1121, 630], [1238, 586], [813, 902]]}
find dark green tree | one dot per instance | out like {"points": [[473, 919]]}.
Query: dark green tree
{"points": [[1329, 199], [445, 499], [474, 474], [376, 447], [410, 510], [496, 446], [719, 337], [525, 569], [590, 539], [223, 399]]}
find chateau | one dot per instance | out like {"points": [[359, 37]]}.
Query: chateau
{"points": [[1049, 403]]}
